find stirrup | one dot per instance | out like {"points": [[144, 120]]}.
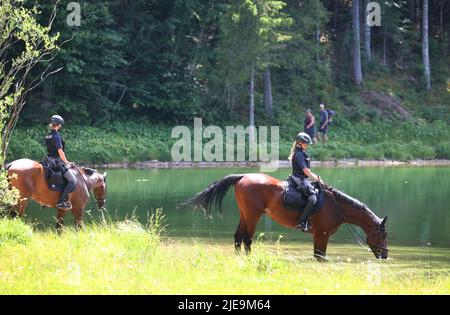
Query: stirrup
{"points": [[304, 226], [65, 205]]}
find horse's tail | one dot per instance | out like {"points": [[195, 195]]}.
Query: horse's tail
{"points": [[214, 194], [8, 166]]}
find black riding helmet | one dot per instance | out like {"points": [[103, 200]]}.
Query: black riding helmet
{"points": [[56, 119], [304, 138]]}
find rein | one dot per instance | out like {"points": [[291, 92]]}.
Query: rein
{"points": [[87, 187]]}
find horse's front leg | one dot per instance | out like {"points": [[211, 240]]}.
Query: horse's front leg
{"points": [[320, 246], [77, 213], [22, 206], [60, 220]]}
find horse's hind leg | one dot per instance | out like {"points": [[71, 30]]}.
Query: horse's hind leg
{"points": [[251, 209], [238, 237], [18, 209], [247, 226], [250, 228]]}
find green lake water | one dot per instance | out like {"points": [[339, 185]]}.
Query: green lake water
{"points": [[416, 201]]}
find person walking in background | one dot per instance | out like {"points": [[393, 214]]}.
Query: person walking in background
{"points": [[323, 128], [309, 127]]}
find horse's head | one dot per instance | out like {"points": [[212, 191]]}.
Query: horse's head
{"points": [[98, 185], [100, 190], [354, 211], [378, 241]]}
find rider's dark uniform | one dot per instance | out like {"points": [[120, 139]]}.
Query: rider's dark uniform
{"points": [[54, 142], [300, 161]]}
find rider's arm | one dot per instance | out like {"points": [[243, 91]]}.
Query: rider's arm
{"points": [[59, 146], [62, 155], [310, 174], [300, 160]]}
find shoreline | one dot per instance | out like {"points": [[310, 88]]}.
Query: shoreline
{"points": [[281, 164]]}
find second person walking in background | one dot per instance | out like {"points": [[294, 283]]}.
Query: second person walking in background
{"points": [[323, 128]]}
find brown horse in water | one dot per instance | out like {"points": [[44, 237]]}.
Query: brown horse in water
{"points": [[257, 194], [28, 177]]}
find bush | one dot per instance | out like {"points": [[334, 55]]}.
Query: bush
{"points": [[321, 154], [24, 146], [443, 150], [422, 151], [120, 142], [396, 151], [14, 231]]}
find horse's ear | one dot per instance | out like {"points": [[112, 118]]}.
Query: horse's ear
{"points": [[383, 223]]}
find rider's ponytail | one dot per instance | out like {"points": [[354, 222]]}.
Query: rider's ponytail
{"points": [[294, 145]]}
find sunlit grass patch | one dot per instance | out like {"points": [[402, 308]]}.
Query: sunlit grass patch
{"points": [[127, 257]]}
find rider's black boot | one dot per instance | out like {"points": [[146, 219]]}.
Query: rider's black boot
{"points": [[303, 221]]}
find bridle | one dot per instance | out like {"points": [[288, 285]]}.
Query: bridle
{"points": [[378, 249], [102, 200]]}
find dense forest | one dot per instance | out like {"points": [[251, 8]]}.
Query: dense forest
{"points": [[153, 64]]}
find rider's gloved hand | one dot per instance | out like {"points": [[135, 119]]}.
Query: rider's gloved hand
{"points": [[320, 180]]}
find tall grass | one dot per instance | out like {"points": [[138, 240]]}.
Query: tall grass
{"points": [[130, 258]]}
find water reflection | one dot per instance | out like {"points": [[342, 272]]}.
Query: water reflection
{"points": [[415, 200]]}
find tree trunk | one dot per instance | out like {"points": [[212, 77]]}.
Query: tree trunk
{"points": [[268, 100], [356, 44], [317, 41], [412, 10], [317, 32], [384, 46], [367, 36], [441, 22], [336, 13], [252, 98], [425, 50], [417, 15], [252, 113]]}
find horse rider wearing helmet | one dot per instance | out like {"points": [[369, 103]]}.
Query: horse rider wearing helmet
{"points": [[302, 176], [55, 148]]}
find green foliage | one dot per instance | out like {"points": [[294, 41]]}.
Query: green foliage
{"points": [[129, 142], [24, 144], [24, 43], [443, 150], [128, 258], [118, 142], [164, 62], [8, 196], [14, 232]]}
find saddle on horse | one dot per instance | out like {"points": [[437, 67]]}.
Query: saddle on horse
{"points": [[54, 175], [296, 199]]}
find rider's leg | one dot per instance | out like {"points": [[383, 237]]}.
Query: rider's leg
{"points": [[303, 221], [70, 186]]}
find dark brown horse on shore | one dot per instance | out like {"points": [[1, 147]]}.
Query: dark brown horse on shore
{"points": [[28, 177], [257, 194]]}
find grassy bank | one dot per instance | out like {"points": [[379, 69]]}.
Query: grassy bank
{"points": [[128, 258], [133, 142]]}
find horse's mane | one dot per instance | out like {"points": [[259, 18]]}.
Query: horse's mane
{"points": [[352, 201], [89, 171]]}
